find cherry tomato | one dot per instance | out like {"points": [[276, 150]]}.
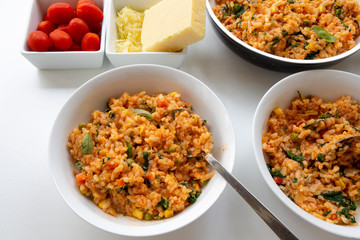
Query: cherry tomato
{"points": [[64, 27], [278, 180], [60, 40], [46, 26], [89, 13], [75, 47], [45, 17], [38, 41], [77, 29], [84, 1], [95, 27], [60, 13], [90, 42]]}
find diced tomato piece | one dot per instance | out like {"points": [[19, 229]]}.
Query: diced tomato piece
{"points": [[120, 182], [162, 101], [81, 178], [278, 180]]}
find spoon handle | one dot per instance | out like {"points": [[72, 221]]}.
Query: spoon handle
{"points": [[278, 228]]}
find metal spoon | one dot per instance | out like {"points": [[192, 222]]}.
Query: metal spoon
{"points": [[273, 222]]}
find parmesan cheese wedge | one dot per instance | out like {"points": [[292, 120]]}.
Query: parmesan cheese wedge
{"points": [[171, 25]]}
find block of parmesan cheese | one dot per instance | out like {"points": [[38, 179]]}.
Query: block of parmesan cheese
{"points": [[172, 25]]}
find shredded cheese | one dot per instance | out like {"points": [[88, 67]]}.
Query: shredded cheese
{"points": [[129, 24]]}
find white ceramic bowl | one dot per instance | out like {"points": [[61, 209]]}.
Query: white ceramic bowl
{"points": [[171, 59], [134, 79], [62, 59], [326, 84], [268, 60]]}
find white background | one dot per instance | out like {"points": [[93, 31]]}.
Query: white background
{"points": [[31, 207]]}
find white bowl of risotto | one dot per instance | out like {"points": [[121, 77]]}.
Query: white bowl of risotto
{"points": [[288, 34], [296, 129], [126, 150]]}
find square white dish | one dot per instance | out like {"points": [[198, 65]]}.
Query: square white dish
{"points": [[171, 59], [62, 59]]}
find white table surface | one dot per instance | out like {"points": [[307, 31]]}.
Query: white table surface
{"points": [[30, 99]]}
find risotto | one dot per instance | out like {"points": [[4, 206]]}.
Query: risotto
{"points": [[142, 156], [306, 29], [307, 161]]}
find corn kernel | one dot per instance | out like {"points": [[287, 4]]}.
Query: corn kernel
{"points": [[141, 129], [340, 183], [321, 8], [102, 203], [172, 94], [168, 213], [139, 214], [278, 111], [311, 46], [273, 8], [128, 112]]}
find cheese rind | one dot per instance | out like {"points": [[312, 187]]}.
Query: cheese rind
{"points": [[172, 25]]}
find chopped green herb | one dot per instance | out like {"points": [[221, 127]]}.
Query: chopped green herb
{"points": [[306, 23], [284, 33], [238, 10], [111, 114], [205, 182], [338, 11], [336, 114], [143, 113], [320, 157], [275, 173], [86, 144], [124, 188], [150, 108], [159, 155], [276, 40], [108, 124], [192, 196], [291, 1], [355, 128], [253, 16], [185, 184], [323, 34], [129, 150], [97, 129], [79, 165], [327, 213], [294, 180], [146, 155], [311, 55], [164, 203], [297, 158]]}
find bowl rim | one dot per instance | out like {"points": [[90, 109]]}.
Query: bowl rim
{"points": [[146, 231], [272, 56], [339, 230]]}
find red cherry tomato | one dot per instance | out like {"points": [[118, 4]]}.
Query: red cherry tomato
{"points": [[64, 27], [75, 47], [89, 13], [60, 40], [46, 26], [84, 1], [45, 17], [77, 29], [60, 13], [278, 180], [95, 27], [38, 41], [90, 42]]}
